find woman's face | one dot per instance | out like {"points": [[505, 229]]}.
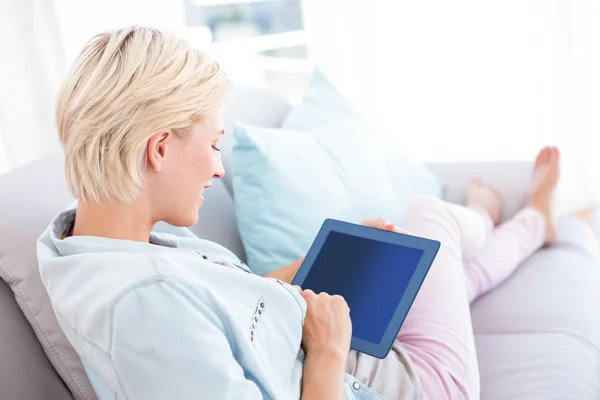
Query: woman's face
{"points": [[186, 168]]}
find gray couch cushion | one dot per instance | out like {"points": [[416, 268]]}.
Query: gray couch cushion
{"points": [[33, 194], [556, 290], [25, 371], [537, 366], [538, 334]]}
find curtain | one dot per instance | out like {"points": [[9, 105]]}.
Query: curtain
{"points": [[30, 74], [39, 40], [469, 80]]}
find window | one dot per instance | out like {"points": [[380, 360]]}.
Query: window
{"points": [[261, 43]]}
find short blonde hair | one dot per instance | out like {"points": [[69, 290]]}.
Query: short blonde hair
{"points": [[124, 87]]}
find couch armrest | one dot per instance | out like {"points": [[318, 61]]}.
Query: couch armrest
{"points": [[511, 178]]}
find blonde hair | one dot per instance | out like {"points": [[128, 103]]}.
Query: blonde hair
{"points": [[124, 87]]}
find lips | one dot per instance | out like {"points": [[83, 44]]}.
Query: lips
{"points": [[205, 187]]}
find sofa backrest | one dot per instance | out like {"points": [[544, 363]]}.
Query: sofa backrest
{"points": [[25, 371]]}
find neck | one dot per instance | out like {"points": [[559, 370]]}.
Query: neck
{"points": [[115, 221]]}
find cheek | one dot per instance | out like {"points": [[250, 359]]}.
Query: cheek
{"points": [[205, 163], [200, 167]]}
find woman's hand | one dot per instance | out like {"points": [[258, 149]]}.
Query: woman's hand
{"points": [[326, 337], [327, 327], [381, 223]]}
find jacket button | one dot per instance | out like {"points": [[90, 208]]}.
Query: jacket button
{"points": [[356, 385], [262, 305]]}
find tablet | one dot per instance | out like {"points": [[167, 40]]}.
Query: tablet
{"points": [[377, 272]]}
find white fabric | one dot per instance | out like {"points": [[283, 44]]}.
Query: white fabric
{"points": [[469, 80], [40, 40], [30, 75], [80, 20]]}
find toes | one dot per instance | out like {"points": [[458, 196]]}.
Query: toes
{"points": [[555, 163], [495, 192], [474, 185], [547, 154], [539, 157], [555, 155], [475, 182]]}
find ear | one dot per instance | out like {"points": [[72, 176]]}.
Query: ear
{"points": [[158, 147]]}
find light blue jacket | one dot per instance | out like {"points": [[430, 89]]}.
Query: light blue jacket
{"points": [[176, 318]]}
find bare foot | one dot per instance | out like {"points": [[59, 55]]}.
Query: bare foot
{"points": [[485, 197], [546, 173]]}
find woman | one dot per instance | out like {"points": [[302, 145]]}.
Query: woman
{"points": [[162, 316]]}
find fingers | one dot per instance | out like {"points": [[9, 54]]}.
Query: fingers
{"points": [[372, 222], [379, 223], [388, 226], [341, 301], [308, 294], [383, 224]]}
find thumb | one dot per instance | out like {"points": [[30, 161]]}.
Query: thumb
{"points": [[388, 226]]}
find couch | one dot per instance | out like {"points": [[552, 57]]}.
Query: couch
{"points": [[537, 335]]}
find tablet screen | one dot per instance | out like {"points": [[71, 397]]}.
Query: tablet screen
{"points": [[371, 275]]}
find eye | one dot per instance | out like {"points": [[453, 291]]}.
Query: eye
{"points": [[216, 148]]}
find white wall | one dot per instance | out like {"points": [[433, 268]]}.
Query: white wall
{"points": [[80, 20], [31, 70]]}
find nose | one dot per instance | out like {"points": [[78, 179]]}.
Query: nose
{"points": [[220, 170]]}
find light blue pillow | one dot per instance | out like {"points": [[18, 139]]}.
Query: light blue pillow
{"points": [[286, 183], [325, 162], [323, 105]]}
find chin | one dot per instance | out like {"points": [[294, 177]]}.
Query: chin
{"points": [[192, 220], [184, 221]]}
